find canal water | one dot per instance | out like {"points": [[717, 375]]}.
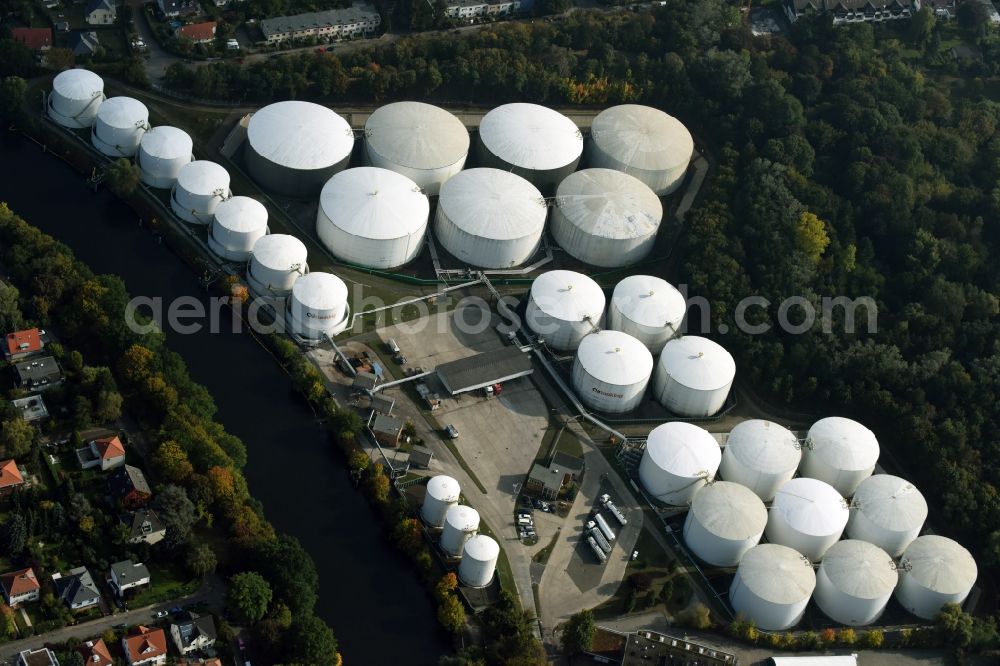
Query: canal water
{"points": [[368, 594]]}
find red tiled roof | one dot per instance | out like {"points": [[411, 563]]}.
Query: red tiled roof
{"points": [[146, 644], [22, 342], [35, 39], [20, 582], [10, 475], [198, 32], [110, 447], [95, 653]]}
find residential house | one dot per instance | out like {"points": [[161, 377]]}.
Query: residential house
{"points": [[195, 633], [95, 653], [174, 8], [199, 33], [31, 408], [106, 453], [361, 19], [387, 429], [145, 646], [853, 11], [544, 481], [943, 9], [20, 587], [126, 575], [100, 12], [61, 26], [129, 484], [468, 9], [991, 11], [84, 44], [36, 39], [76, 589], [145, 527], [40, 657], [37, 374], [11, 477]]}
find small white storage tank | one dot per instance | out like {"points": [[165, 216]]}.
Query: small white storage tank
{"points": [[200, 187], [442, 494], [605, 218], [533, 141], [934, 571], [294, 147], [119, 126], [276, 262], [841, 452], [725, 521], [318, 306], [238, 223], [611, 371], [807, 515], [490, 218], [854, 582], [564, 307], [693, 376], [761, 455], [887, 511], [423, 142], [679, 459], [162, 152], [644, 142], [479, 561], [76, 96], [372, 217], [647, 308], [460, 524], [772, 586]]}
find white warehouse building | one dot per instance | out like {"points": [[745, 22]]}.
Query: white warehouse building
{"points": [[442, 494], [238, 223], [934, 571], [761, 455], [564, 307], [887, 511], [725, 521], [693, 376], [318, 306], [772, 587], [276, 262], [679, 459], [807, 515], [648, 308], [840, 452], [76, 97], [611, 372], [854, 582], [162, 152], [119, 126]]}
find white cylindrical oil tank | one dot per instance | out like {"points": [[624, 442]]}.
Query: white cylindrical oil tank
{"points": [[807, 515], [423, 142], [887, 511], [76, 96], [564, 307], [461, 523], [294, 147], [611, 371], [238, 223], [725, 521], [854, 582], [761, 455], [934, 571], [442, 494], [318, 306], [490, 218], [276, 262], [643, 142], [679, 459], [479, 561], [772, 586], [841, 452], [533, 141], [648, 308], [693, 376], [162, 152], [200, 187], [605, 218], [119, 126], [372, 217]]}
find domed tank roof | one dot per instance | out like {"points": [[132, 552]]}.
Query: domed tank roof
{"points": [[77, 84], [241, 214], [843, 443], [642, 137], [123, 112], [279, 251], [777, 574], [609, 204], [417, 135], [482, 548], [684, 449], [729, 510], [202, 177], [491, 203], [462, 518], [531, 136], [940, 564], [370, 202], [300, 135], [320, 291], [444, 488], [811, 507], [891, 503], [763, 445], [615, 358], [568, 296], [698, 363], [650, 301], [166, 142], [860, 569]]}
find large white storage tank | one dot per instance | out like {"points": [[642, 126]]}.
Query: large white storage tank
{"points": [[841, 452], [479, 561], [761, 455], [887, 511], [807, 515], [162, 152], [372, 217], [693, 376], [76, 96], [854, 582], [200, 187], [643, 142], [648, 308], [237, 225], [564, 307], [442, 494], [606, 218], [725, 521], [532, 141], [119, 126], [294, 147], [611, 371], [679, 459], [490, 218], [423, 142], [276, 262], [461, 523], [772, 586], [318, 306], [934, 571]]}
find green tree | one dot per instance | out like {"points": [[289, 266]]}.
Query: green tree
{"points": [[200, 560], [12, 95], [248, 597], [451, 614], [292, 573], [954, 625], [16, 438], [358, 460], [172, 462], [123, 178], [177, 513], [15, 534], [108, 406], [811, 236], [873, 638], [378, 484], [578, 634], [310, 641], [10, 309]]}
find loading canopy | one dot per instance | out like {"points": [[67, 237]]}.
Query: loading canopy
{"points": [[481, 370]]}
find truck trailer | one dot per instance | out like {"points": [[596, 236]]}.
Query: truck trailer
{"points": [[604, 527], [615, 511], [601, 541], [597, 550]]}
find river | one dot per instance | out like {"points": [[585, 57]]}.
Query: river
{"points": [[368, 594]]}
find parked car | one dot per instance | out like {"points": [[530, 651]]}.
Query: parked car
{"points": [[451, 431], [160, 613]]}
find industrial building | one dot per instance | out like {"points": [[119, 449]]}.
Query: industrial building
{"points": [[760, 455], [479, 561], [461, 523], [887, 511], [854, 582], [611, 372], [77, 95], [482, 370], [563, 308], [276, 261], [318, 307], [648, 308], [725, 521], [162, 152], [772, 587], [200, 187], [442, 494], [119, 126], [840, 452], [679, 459], [934, 571], [807, 515], [693, 376], [237, 224]]}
